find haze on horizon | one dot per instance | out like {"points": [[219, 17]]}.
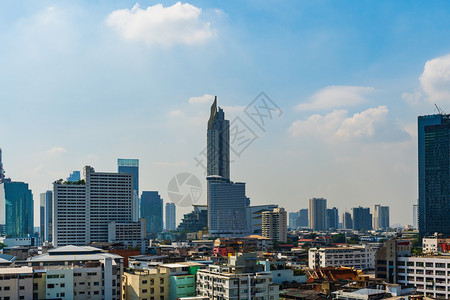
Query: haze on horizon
{"points": [[86, 83]]}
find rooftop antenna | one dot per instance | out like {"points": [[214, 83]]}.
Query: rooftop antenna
{"points": [[440, 111]]}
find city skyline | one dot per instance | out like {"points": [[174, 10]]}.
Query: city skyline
{"points": [[352, 87]]}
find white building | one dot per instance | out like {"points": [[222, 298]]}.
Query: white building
{"points": [[72, 272], [82, 212], [274, 224], [380, 217], [242, 278], [359, 257], [431, 244], [429, 274], [130, 234]]}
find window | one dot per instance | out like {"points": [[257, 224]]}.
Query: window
{"points": [[52, 276], [144, 281], [62, 294], [96, 283], [50, 286], [95, 292], [144, 291], [161, 281], [62, 285], [21, 287]]}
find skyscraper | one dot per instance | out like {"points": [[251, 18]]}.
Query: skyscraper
{"points": [[227, 214], [16, 205], [74, 176], [303, 220], [152, 211], [274, 224], [131, 166], [2, 171], [416, 216], [332, 218], [293, 220], [317, 214], [347, 222], [46, 215], [171, 216], [82, 211], [362, 218], [218, 143], [434, 174], [380, 217]]}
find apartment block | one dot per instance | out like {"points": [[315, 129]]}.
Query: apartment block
{"points": [[140, 284], [359, 257]]}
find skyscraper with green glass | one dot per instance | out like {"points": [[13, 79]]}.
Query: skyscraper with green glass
{"points": [[16, 209]]}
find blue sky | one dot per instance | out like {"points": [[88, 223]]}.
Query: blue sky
{"points": [[84, 82]]}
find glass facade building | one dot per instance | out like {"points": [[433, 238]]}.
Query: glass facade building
{"points": [[16, 209], [46, 214], [131, 166], [434, 174], [152, 211]]}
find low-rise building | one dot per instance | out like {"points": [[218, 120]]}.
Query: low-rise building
{"points": [[16, 283], [131, 234], [360, 257], [182, 278], [139, 284], [433, 244]]}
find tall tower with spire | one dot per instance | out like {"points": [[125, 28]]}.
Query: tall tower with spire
{"points": [[2, 171], [218, 143]]}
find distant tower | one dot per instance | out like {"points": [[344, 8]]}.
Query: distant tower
{"points": [[2, 171], [317, 214], [218, 143]]}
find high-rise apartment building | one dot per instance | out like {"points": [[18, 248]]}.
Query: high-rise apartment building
{"points": [[362, 218], [274, 224], [131, 166], [16, 205], [380, 217], [227, 214], [434, 174], [46, 214], [218, 143], [171, 216], [2, 171], [254, 216], [152, 211], [333, 218], [82, 211], [347, 222], [317, 214], [303, 218]]}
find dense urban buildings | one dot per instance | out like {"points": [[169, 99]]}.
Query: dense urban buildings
{"points": [[227, 204], [196, 220], [434, 174], [131, 166], [274, 224], [46, 215], [16, 203], [380, 217], [333, 218], [318, 214], [152, 211], [171, 216], [83, 210], [362, 218]]}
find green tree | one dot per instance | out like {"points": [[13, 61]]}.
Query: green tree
{"points": [[339, 238]]}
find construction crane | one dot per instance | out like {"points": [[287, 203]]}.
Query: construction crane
{"points": [[440, 111]]}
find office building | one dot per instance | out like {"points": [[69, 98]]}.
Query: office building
{"points": [[347, 222], [274, 225], [416, 216], [380, 217], [332, 218], [303, 218], [131, 166], [359, 257], [254, 217], [46, 214], [362, 218], [434, 174], [171, 216], [152, 211], [196, 220], [241, 278], [218, 143], [74, 176], [227, 203], [16, 205], [293, 220], [83, 210], [317, 214]]}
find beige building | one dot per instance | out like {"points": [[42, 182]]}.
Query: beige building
{"points": [[140, 284], [274, 224], [16, 282]]}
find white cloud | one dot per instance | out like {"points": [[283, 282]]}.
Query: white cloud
{"points": [[176, 24], [55, 151], [435, 79], [336, 96], [206, 98], [372, 124], [176, 113]]}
